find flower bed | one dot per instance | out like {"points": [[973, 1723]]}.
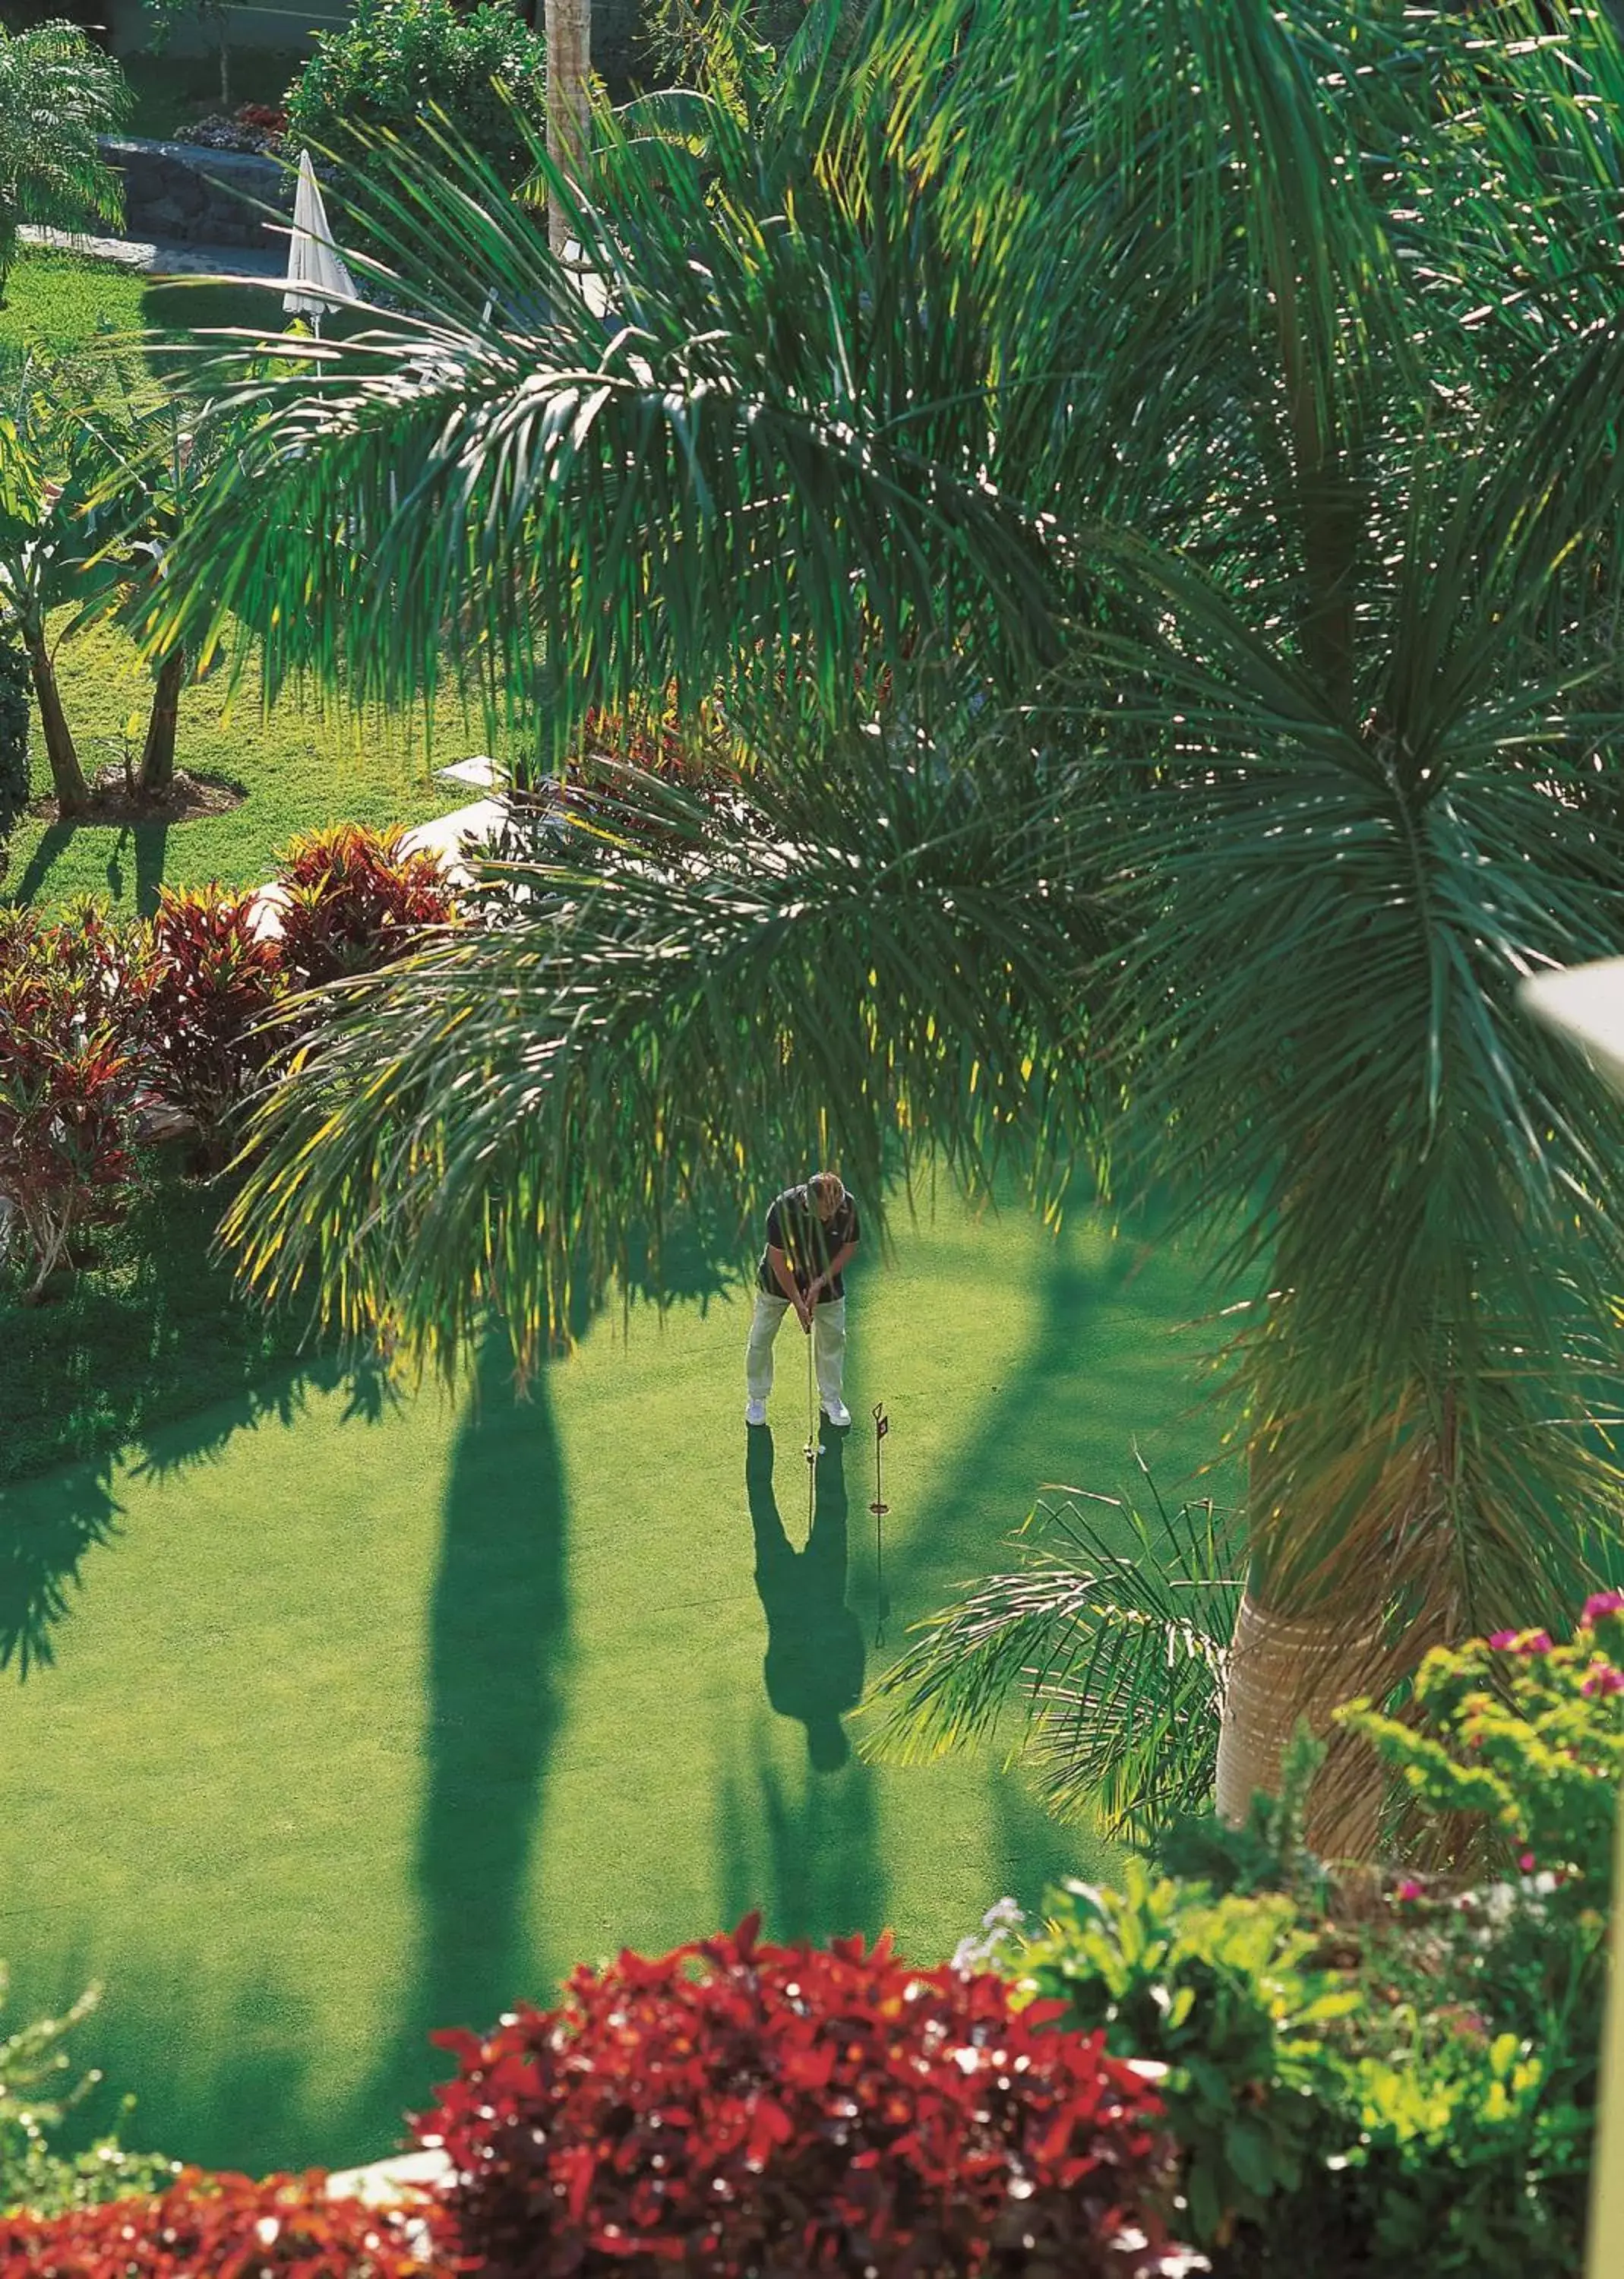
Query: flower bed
{"points": [[99, 1023]]}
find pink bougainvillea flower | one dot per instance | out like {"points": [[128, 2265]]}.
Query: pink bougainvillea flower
{"points": [[1602, 1679], [1409, 1890], [1524, 1860], [1501, 1640], [1602, 1602]]}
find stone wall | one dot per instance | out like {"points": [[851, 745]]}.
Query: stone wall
{"points": [[181, 191]]}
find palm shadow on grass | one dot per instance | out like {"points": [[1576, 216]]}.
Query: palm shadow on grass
{"points": [[148, 1358], [53, 842], [223, 2071], [495, 1687], [49, 1525], [1065, 1373]]}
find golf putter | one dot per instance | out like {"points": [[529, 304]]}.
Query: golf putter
{"points": [[812, 1448]]}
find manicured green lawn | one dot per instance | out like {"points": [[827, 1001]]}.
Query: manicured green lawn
{"points": [[150, 1331], [56, 304], [364, 1719]]}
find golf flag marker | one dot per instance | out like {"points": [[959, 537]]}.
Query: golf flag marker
{"points": [[879, 1508]]}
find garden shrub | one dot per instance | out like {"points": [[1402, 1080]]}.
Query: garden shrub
{"points": [[1387, 2072], [736, 2108], [214, 976], [98, 1020], [72, 1003], [354, 899], [1226, 1993], [218, 2225], [398, 66]]}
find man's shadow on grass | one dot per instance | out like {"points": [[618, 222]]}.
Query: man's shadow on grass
{"points": [[813, 1665]]}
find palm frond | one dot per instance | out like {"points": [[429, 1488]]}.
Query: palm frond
{"points": [[864, 965], [1104, 1651]]}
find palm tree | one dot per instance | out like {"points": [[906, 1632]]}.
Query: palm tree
{"points": [[52, 531], [146, 465], [1132, 475], [569, 103], [58, 92]]}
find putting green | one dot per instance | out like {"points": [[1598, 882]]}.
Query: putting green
{"points": [[360, 1724]]}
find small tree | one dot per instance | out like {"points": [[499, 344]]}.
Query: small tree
{"points": [[14, 722], [149, 464], [53, 517], [57, 94], [212, 20]]}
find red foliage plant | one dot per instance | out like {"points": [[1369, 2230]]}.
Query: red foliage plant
{"points": [[354, 900], [226, 2227], [736, 2109], [72, 1001], [215, 975]]}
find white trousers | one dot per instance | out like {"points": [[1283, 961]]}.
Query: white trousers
{"points": [[828, 1345]]}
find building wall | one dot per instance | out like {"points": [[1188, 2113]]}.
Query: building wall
{"points": [[261, 25]]}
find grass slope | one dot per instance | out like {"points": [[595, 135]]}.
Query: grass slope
{"points": [[365, 1721], [57, 305]]}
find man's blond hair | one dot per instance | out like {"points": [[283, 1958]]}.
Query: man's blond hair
{"points": [[828, 1184]]}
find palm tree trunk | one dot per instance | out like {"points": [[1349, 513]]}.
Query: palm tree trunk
{"points": [[66, 775], [156, 770], [568, 68], [1283, 1668]]}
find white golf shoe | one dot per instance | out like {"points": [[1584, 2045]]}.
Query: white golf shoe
{"points": [[756, 1412], [836, 1412]]}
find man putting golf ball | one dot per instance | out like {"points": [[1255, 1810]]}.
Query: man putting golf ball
{"points": [[811, 1234]]}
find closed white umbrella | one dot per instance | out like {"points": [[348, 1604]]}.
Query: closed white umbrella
{"points": [[317, 277]]}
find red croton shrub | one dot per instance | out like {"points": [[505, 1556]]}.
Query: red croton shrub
{"points": [[354, 900], [214, 976], [226, 2227], [72, 1003], [736, 2109]]}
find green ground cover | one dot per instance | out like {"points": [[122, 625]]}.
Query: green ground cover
{"points": [[365, 1717]]}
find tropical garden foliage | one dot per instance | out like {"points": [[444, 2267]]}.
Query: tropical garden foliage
{"points": [[99, 1022], [58, 92], [1167, 604], [405, 69]]}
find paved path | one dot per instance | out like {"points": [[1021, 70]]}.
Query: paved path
{"points": [[162, 258]]}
